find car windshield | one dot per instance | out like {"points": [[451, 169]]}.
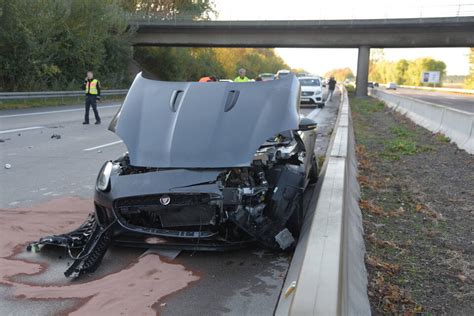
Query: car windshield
{"points": [[310, 82]]}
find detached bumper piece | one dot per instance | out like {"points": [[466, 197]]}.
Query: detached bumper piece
{"points": [[90, 241]]}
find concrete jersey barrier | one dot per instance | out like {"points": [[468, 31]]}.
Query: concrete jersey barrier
{"points": [[327, 275], [453, 90], [456, 124]]}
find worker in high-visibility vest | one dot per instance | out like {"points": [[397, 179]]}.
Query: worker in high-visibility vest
{"points": [[241, 77], [91, 88]]}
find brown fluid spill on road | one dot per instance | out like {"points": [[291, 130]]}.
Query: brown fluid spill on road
{"points": [[132, 290]]}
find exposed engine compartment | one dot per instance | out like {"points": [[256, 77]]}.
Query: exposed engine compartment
{"points": [[255, 202]]}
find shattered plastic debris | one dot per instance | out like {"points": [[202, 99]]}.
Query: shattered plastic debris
{"points": [[284, 239], [56, 136], [8, 166]]}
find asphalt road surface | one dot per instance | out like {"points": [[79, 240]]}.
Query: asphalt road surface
{"points": [[37, 167], [458, 101]]}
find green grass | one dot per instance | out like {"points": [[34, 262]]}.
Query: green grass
{"points": [[350, 88], [401, 139], [400, 131], [442, 138], [367, 106], [35, 103]]}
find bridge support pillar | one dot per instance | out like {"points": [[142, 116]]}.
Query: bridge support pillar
{"points": [[362, 71]]}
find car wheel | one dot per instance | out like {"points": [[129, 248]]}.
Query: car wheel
{"points": [[314, 171]]}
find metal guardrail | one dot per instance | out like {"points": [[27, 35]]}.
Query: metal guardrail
{"points": [[327, 275], [53, 94]]}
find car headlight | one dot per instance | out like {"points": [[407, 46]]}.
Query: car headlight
{"points": [[103, 179]]}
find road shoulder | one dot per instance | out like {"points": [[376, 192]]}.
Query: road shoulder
{"points": [[417, 204]]}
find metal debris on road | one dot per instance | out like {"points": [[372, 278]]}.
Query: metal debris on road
{"points": [[56, 136]]}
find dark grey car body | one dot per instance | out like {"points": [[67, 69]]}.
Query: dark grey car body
{"points": [[186, 140], [209, 166]]}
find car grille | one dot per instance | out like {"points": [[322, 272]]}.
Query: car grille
{"points": [[307, 93], [182, 210]]}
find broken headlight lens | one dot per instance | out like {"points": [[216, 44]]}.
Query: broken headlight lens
{"points": [[103, 179]]}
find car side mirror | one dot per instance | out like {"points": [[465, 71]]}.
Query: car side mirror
{"points": [[307, 124]]}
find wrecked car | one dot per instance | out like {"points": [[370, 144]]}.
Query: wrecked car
{"points": [[210, 166]]}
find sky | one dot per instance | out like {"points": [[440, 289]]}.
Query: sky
{"points": [[319, 61]]}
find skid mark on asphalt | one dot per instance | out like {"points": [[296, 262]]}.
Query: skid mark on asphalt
{"points": [[131, 290]]}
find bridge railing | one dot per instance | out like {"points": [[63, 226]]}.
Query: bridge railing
{"points": [[327, 275], [53, 94], [312, 11]]}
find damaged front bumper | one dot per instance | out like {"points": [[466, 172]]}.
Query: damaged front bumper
{"points": [[202, 216]]}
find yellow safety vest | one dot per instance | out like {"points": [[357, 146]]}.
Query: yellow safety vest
{"points": [[91, 86], [238, 79]]}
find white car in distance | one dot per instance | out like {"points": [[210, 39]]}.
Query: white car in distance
{"points": [[282, 73], [312, 90], [391, 86]]}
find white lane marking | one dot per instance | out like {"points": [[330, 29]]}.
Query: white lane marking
{"points": [[105, 145], [57, 111], [20, 129]]}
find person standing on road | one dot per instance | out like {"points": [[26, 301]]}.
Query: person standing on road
{"points": [[241, 77], [331, 87], [91, 87]]}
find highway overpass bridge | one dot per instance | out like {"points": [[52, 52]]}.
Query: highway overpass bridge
{"points": [[361, 34]]}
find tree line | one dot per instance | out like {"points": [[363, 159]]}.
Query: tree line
{"points": [[469, 82], [50, 44], [340, 74], [183, 64], [403, 71]]}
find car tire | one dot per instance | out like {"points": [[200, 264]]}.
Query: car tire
{"points": [[314, 171]]}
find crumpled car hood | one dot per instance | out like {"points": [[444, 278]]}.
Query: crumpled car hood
{"points": [[203, 125]]}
